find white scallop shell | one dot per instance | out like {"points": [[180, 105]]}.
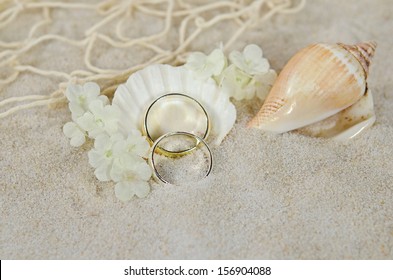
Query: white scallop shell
{"points": [[146, 85]]}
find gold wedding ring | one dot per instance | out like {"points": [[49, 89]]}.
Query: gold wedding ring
{"points": [[177, 126], [201, 158], [175, 112]]}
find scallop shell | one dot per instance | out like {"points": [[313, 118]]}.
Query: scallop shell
{"points": [[146, 85], [318, 82]]}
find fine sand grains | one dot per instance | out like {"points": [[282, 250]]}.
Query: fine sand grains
{"points": [[268, 197]]}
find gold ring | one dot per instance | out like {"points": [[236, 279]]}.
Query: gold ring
{"points": [[196, 142], [175, 112]]}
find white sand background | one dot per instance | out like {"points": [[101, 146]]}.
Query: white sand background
{"points": [[270, 197]]}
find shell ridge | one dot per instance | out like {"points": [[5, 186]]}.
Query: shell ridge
{"points": [[130, 121], [363, 52], [153, 75], [174, 82], [167, 79], [344, 59], [137, 86]]}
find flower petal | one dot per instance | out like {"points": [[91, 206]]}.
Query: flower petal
{"points": [[96, 107], [119, 148], [86, 121], [238, 84], [111, 125], [195, 61], [104, 99], [102, 142], [102, 172], [124, 191], [205, 66], [91, 89], [143, 171], [73, 92], [141, 188], [73, 131], [252, 52], [69, 129], [216, 61], [237, 59], [95, 158], [137, 145], [117, 170], [76, 110], [78, 140], [261, 67]]}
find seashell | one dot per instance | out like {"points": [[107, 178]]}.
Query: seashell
{"points": [[146, 85], [346, 124], [317, 83]]}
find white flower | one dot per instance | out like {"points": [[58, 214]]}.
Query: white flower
{"points": [[80, 97], [75, 133], [264, 83], [238, 84], [114, 156], [99, 119], [121, 160], [205, 66], [250, 61], [127, 189], [135, 144], [101, 156], [130, 170], [248, 75]]}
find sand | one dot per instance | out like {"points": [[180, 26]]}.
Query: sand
{"points": [[268, 197]]}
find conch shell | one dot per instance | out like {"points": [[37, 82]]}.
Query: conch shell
{"points": [[321, 81]]}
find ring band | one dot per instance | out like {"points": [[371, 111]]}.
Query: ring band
{"points": [[175, 112], [198, 142]]}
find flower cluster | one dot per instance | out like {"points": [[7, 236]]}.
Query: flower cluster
{"points": [[249, 73], [115, 156], [121, 157]]}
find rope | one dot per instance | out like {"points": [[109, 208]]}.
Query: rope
{"points": [[186, 20]]}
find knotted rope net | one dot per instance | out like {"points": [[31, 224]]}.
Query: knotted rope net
{"points": [[182, 22]]}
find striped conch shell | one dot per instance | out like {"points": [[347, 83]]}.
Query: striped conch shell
{"points": [[321, 81]]}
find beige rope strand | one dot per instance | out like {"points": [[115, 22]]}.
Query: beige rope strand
{"points": [[23, 98], [13, 14], [87, 58], [29, 106], [40, 40], [107, 7], [192, 19], [62, 5], [47, 73], [7, 13], [46, 20], [10, 79], [129, 44], [190, 11], [109, 18], [167, 26], [214, 21], [237, 34], [295, 9]]}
